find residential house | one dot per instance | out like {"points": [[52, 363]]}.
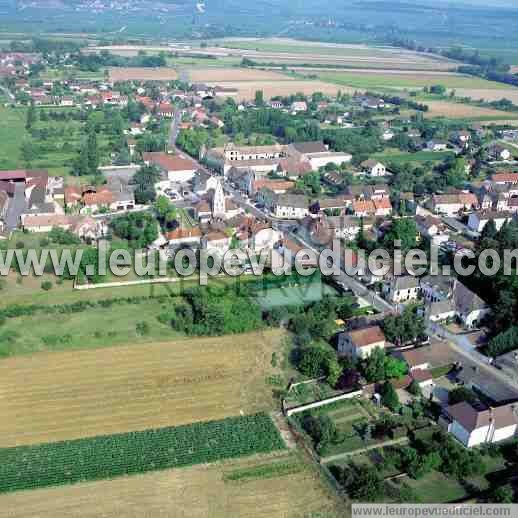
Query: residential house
{"points": [[347, 227], [293, 168], [476, 425], [216, 241], [437, 145], [259, 158], [177, 168], [432, 228], [359, 344], [84, 227], [403, 288], [317, 154], [505, 178], [363, 208], [289, 206], [457, 302], [184, 236], [462, 138], [453, 204], [499, 153], [373, 168], [478, 220], [382, 207], [299, 106]]}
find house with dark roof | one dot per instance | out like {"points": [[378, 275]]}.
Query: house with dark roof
{"points": [[476, 425], [454, 300]]}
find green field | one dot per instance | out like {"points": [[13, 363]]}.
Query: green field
{"points": [[91, 328], [401, 81], [420, 156], [12, 131], [300, 47], [106, 457]]}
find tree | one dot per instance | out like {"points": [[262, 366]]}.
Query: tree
{"points": [[46, 285], [403, 328], [28, 152], [378, 366], [389, 396], [438, 89], [31, 116], [404, 230], [93, 152], [367, 485], [459, 394], [315, 361], [259, 98], [415, 388], [502, 495], [418, 464]]}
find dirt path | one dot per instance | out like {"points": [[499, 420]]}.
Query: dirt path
{"points": [[401, 440]]}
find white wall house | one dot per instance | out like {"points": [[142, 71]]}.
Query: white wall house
{"points": [[360, 344], [473, 427], [373, 168]]}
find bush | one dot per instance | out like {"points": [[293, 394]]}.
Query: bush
{"points": [[143, 328], [19, 245], [46, 285], [44, 242]]}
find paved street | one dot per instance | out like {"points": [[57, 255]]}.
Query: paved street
{"points": [[174, 129], [17, 205]]}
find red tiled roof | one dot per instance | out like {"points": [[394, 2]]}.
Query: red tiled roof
{"points": [[382, 203], [367, 336], [505, 178], [183, 233], [364, 206], [169, 162]]}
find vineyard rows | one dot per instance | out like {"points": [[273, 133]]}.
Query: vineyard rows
{"points": [[68, 462]]}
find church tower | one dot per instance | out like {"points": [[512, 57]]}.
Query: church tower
{"points": [[218, 201]]}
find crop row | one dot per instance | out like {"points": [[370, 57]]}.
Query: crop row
{"points": [[68, 462]]}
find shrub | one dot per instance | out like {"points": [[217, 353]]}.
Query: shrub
{"points": [[19, 245], [46, 285]]}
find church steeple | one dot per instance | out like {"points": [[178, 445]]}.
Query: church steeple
{"points": [[218, 201]]}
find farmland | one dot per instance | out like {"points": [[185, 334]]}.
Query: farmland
{"points": [[407, 79], [136, 387], [12, 130], [196, 492], [97, 458], [142, 74], [460, 110], [209, 75], [247, 89]]}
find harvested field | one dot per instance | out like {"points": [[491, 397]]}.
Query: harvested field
{"points": [[142, 74], [197, 492], [506, 92], [458, 110], [105, 391], [208, 75], [247, 89]]}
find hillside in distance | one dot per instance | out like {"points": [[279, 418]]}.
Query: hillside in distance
{"points": [[486, 25]]}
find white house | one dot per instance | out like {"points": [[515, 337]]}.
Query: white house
{"points": [[478, 220], [178, 169], [373, 168], [475, 426], [360, 344], [317, 154], [436, 145], [402, 289], [299, 106], [499, 153]]}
